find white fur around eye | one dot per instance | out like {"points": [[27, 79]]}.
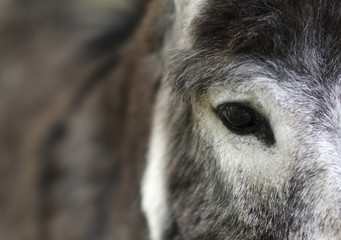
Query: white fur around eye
{"points": [[247, 153]]}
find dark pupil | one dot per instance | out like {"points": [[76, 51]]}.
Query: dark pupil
{"points": [[238, 116]]}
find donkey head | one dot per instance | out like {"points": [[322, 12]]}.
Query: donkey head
{"points": [[246, 138]]}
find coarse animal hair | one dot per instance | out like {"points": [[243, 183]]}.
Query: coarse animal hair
{"points": [[169, 119], [280, 58]]}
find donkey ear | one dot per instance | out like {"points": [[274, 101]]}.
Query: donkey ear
{"points": [[188, 6], [186, 10], [182, 3]]}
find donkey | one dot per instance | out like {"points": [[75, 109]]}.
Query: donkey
{"points": [[224, 116], [213, 120], [245, 134]]}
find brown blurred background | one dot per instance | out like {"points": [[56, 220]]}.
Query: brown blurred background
{"points": [[56, 166]]}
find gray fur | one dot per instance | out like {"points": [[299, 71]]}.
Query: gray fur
{"points": [[283, 57]]}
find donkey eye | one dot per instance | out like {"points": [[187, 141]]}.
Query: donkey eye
{"points": [[238, 118], [243, 120]]}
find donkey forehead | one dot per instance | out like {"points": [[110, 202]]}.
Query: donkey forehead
{"points": [[296, 43], [266, 26], [303, 78]]}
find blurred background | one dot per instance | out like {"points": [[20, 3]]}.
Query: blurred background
{"points": [[56, 166]]}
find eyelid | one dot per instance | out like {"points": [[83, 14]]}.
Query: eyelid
{"points": [[244, 104], [253, 106]]}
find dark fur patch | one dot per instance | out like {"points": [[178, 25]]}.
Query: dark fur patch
{"points": [[267, 27]]}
